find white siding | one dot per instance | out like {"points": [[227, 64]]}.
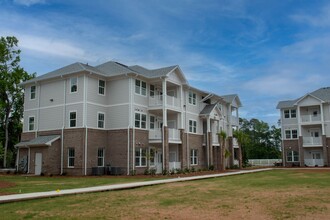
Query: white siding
{"points": [[117, 116], [28, 114], [174, 77], [28, 103], [79, 109], [308, 100], [51, 93], [118, 91], [93, 91], [51, 118], [141, 100], [77, 96], [326, 112], [92, 119]]}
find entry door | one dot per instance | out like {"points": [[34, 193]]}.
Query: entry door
{"points": [[159, 162], [37, 164], [317, 159]]}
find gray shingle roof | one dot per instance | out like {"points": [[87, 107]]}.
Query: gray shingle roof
{"points": [[112, 68], [322, 94], [152, 73], [207, 109], [39, 141], [230, 98]]}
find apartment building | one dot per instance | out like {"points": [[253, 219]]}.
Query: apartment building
{"points": [[80, 119], [305, 126]]}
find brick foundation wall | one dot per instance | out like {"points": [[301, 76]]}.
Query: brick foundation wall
{"points": [[290, 145], [195, 141]]}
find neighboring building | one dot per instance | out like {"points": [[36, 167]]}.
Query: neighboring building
{"points": [[80, 119], [306, 129]]}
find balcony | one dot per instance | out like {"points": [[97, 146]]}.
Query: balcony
{"points": [[234, 120], [314, 162], [173, 135], [235, 143], [312, 141], [310, 118], [171, 102], [215, 138]]}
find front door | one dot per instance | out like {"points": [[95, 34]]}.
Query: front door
{"points": [[317, 161], [159, 162], [37, 164]]}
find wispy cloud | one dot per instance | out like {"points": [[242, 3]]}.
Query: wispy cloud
{"points": [[319, 19], [29, 2]]}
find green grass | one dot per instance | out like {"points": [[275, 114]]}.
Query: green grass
{"points": [[278, 194], [28, 184]]}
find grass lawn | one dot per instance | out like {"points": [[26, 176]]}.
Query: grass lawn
{"points": [[14, 184], [277, 194]]}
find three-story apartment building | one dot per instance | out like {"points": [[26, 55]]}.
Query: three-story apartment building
{"points": [[306, 129], [80, 118]]}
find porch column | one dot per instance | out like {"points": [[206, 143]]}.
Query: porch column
{"points": [[299, 124], [301, 151], [181, 106], [164, 102], [322, 120], [208, 131]]}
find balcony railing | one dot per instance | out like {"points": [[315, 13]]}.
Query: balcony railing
{"points": [[156, 134], [234, 120], [157, 101], [312, 141], [174, 165], [314, 162], [235, 143], [215, 138], [310, 118]]}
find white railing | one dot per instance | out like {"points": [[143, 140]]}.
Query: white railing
{"points": [[215, 139], [314, 162], [264, 162], [155, 134], [236, 162], [174, 134], [311, 141], [174, 165], [234, 120], [235, 143], [310, 118], [157, 101]]}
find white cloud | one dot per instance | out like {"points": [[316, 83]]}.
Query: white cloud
{"points": [[321, 19], [29, 2]]}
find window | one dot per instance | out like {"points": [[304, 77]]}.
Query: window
{"points": [[140, 120], [33, 92], [100, 157], [291, 134], [192, 98], [152, 90], [292, 156], [192, 126], [101, 87], [74, 84], [73, 119], [31, 123], [100, 120], [140, 157], [140, 87], [71, 157], [152, 122], [152, 157], [193, 157], [290, 113]]}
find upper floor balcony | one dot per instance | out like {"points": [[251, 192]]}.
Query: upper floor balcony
{"points": [[155, 135], [310, 118], [171, 102], [312, 141], [235, 143]]}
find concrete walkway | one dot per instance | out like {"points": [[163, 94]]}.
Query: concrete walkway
{"points": [[38, 195]]}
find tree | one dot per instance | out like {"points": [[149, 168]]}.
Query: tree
{"points": [[11, 95], [242, 140]]}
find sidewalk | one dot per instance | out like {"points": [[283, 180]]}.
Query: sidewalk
{"points": [[49, 194]]}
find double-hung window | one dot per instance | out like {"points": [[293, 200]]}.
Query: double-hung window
{"points": [[140, 87], [140, 120], [291, 134], [33, 92], [290, 113], [152, 90], [192, 126], [73, 84], [100, 157], [73, 119], [101, 87], [140, 157], [292, 156], [193, 157], [152, 122], [192, 98], [71, 155], [31, 123], [100, 120]]}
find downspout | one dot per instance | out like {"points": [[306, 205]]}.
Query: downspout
{"points": [[63, 126], [29, 158], [85, 122], [38, 113], [129, 122]]}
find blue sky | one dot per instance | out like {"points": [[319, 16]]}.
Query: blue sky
{"points": [[265, 51]]}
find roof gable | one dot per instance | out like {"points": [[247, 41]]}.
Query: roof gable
{"points": [[233, 99], [308, 99]]}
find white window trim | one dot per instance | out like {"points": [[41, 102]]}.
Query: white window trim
{"points": [[150, 121], [34, 123], [71, 84], [35, 92], [290, 113], [140, 157], [292, 155], [192, 102], [74, 150], [192, 132], [100, 157], [154, 90], [291, 136], [195, 155], [140, 127], [97, 119], [98, 87], [75, 111], [140, 90]]}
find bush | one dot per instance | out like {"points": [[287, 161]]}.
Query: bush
{"points": [[152, 171], [146, 172], [211, 167], [132, 172]]}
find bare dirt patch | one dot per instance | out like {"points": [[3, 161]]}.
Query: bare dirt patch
{"points": [[5, 184]]}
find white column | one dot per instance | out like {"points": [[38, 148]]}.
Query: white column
{"points": [[299, 123], [164, 103], [322, 119], [181, 105]]}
